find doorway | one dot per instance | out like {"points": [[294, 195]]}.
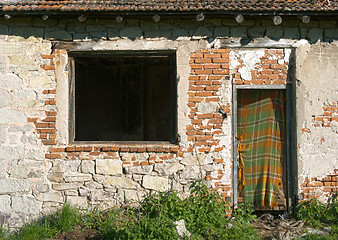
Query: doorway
{"points": [[260, 143]]}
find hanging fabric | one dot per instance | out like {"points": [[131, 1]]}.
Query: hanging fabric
{"points": [[260, 127]]}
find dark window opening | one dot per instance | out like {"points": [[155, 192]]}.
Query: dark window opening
{"points": [[124, 98]]}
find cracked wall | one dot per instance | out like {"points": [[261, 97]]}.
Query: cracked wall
{"points": [[40, 170]]}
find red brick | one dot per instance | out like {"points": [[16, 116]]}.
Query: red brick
{"points": [[196, 55], [47, 67], [105, 149], [70, 149], [32, 119], [213, 99], [202, 60], [212, 66], [43, 136], [220, 60], [124, 149], [52, 136], [203, 82], [193, 78], [59, 149], [49, 119], [204, 94], [212, 55], [205, 72], [53, 156], [50, 102], [141, 149], [50, 113], [45, 56], [220, 71], [46, 130], [196, 66], [195, 99], [41, 125], [49, 142]]}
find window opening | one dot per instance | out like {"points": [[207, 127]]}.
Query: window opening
{"points": [[261, 144], [128, 97]]}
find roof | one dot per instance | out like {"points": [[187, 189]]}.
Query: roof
{"points": [[169, 5]]}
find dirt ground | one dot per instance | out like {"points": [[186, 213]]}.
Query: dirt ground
{"points": [[267, 225]]}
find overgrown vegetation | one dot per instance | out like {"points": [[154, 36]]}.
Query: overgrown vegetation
{"points": [[319, 215], [205, 213], [47, 226]]}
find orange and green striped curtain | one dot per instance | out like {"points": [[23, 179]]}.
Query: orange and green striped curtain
{"points": [[260, 141]]}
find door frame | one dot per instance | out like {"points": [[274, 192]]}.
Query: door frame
{"points": [[289, 164]]}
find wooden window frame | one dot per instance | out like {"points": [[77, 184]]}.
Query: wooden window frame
{"points": [[173, 90]]}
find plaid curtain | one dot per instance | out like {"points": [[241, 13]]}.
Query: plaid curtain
{"points": [[260, 127]]}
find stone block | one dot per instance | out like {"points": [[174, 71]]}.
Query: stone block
{"points": [[87, 166], [39, 81], [212, 22], [147, 169], [290, 22], [229, 22], [315, 34], [3, 30], [108, 166], [81, 202], [132, 22], [331, 33], [248, 23], [10, 81], [50, 197], [127, 195], [274, 32], [11, 153], [327, 24], [2, 133], [66, 186], [155, 183], [149, 26], [203, 32], [26, 205], [257, 31], [25, 94], [238, 32], [76, 27], [3, 64], [168, 168], [291, 32], [197, 160], [113, 33], [121, 182], [158, 34], [26, 63], [14, 186], [26, 32], [131, 32], [207, 107], [192, 172], [222, 31], [77, 177], [42, 186], [5, 203], [59, 34]]}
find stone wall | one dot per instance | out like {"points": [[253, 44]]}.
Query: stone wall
{"points": [[40, 170]]}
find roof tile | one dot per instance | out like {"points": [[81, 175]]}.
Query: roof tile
{"points": [[168, 5]]}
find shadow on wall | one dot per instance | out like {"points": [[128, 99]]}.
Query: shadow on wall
{"points": [[171, 28]]}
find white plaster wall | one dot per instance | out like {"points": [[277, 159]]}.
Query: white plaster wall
{"points": [[316, 86]]}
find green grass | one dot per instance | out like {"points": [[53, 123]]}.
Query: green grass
{"points": [[47, 226], [205, 213]]}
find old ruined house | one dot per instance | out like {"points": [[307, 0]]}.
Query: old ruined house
{"points": [[106, 101]]}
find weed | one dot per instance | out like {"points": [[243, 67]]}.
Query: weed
{"points": [[316, 213], [243, 214], [48, 226]]}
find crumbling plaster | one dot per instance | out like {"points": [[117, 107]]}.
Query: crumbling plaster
{"points": [[28, 178], [316, 86]]}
